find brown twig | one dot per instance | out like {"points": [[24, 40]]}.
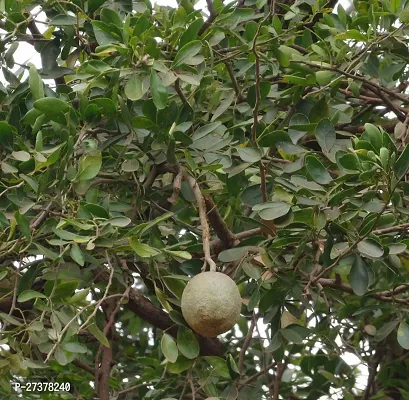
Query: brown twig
{"points": [[180, 92], [201, 204], [41, 217], [177, 185], [103, 371], [397, 228], [234, 81], [209, 21], [382, 296], [216, 246], [277, 380], [153, 174], [83, 366], [246, 343], [216, 221], [255, 376]]}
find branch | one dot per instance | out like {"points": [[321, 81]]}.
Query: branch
{"points": [[397, 228], [234, 81], [103, 372], [216, 246], [382, 296], [83, 366], [180, 93], [153, 174], [370, 85], [212, 17], [201, 204], [218, 224], [246, 343], [277, 380], [35, 223], [177, 185], [255, 376]]}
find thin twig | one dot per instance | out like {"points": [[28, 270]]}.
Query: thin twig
{"points": [[246, 343], [201, 204]]}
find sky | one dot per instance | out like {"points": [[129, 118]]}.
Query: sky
{"points": [[25, 54]]}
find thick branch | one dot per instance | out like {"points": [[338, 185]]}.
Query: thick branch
{"points": [[382, 296], [216, 246], [218, 224], [397, 228]]}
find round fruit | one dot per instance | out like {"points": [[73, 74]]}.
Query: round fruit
{"points": [[211, 303]]}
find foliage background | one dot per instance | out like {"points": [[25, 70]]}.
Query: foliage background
{"points": [[266, 139]]}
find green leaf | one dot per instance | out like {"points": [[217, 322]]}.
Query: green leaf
{"points": [[169, 348], [76, 254], [179, 254], [159, 91], [205, 130], [104, 33], [359, 277], [181, 365], [177, 317], [98, 334], [370, 248], [188, 51], [21, 155], [36, 83], [89, 165], [74, 347], [23, 224], [141, 249], [251, 270], [51, 105], [66, 235], [352, 34], [187, 343], [219, 365], [11, 320], [249, 154], [325, 134], [78, 297], [272, 210], [224, 105], [385, 330], [6, 135], [94, 5], [317, 170], [232, 366], [175, 285], [291, 335], [402, 164], [134, 88], [403, 335], [3, 274], [29, 295], [234, 254], [375, 136], [404, 16], [324, 77], [121, 222]]}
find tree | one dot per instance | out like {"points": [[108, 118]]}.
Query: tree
{"points": [[269, 138]]}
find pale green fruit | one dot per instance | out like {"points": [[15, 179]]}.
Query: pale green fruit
{"points": [[211, 303]]}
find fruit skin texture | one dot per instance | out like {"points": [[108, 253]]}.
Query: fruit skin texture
{"points": [[211, 303]]}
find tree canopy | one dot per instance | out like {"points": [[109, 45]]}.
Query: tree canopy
{"points": [[264, 139]]}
